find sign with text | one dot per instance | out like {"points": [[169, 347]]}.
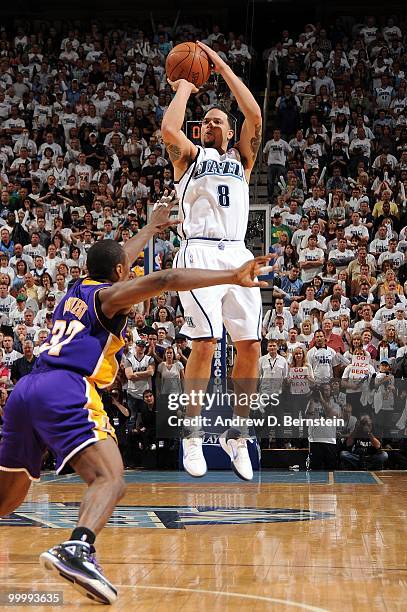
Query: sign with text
{"points": [[360, 364]]}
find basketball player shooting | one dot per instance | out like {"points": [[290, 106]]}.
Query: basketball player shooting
{"points": [[212, 183], [57, 405]]}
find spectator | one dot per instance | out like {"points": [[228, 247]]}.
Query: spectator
{"points": [[139, 370], [145, 429], [162, 321], [322, 438], [356, 380], [275, 154], [324, 360], [10, 354], [349, 422], [364, 449], [311, 260], [333, 341], [4, 373], [300, 380], [182, 350], [170, 374], [23, 366], [273, 369]]}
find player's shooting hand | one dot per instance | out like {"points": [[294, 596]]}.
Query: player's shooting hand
{"points": [[217, 63], [160, 217], [176, 84], [246, 274]]}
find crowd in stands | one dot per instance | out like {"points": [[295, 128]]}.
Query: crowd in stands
{"points": [[337, 184], [82, 159]]}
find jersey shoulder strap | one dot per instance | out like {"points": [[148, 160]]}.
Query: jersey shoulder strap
{"points": [[190, 166]]}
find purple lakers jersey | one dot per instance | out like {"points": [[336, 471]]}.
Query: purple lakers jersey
{"points": [[82, 340]]}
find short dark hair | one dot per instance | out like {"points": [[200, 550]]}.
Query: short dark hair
{"points": [[103, 257], [230, 118]]}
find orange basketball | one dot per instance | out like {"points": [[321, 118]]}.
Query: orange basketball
{"points": [[188, 61]]}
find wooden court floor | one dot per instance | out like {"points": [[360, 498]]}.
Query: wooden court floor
{"points": [[285, 543]]}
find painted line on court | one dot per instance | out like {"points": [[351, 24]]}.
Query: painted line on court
{"points": [[393, 472], [286, 602]]}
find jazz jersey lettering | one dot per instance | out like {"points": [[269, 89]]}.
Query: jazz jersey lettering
{"points": [[214, 197], [80, 340]]}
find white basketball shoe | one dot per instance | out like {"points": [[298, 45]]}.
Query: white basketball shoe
{"points": [[193, 458], [235, 445]]}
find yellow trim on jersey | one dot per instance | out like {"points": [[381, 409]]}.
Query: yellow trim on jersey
{"points": [[88, 281], [97, 414], [107, 366]]}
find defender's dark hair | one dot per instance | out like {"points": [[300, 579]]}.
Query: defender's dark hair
{"points": [[231, 118], [103, 257]]}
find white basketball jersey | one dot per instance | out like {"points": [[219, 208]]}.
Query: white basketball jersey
{"points": [[214, 197]]}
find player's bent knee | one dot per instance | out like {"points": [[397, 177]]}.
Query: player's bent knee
{"points": [[248, 347], [121, 488], [204, 349], [114, 482]]}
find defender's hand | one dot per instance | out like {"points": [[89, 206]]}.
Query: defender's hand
{"points": [[246, 274], [162, 211]]}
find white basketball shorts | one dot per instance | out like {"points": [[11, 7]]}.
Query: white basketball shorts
{"points": [[206, 310]]}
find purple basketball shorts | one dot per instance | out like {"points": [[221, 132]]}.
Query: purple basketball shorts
{"points": [[53, 409]]}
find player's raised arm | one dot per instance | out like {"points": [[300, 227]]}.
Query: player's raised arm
{"points": [[159, 220], [181, 150], [250, 135], [122, 295]]}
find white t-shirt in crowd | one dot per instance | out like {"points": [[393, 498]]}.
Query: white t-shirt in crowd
{"points": [[322, 361], [311, 255], [360, 231], [277, 151]]}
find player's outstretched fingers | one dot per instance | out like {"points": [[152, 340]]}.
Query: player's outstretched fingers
{"points": [[168, 200], [173, 198], [265, 270], [160, 204], [260, 269], [262, 262], [248, 272]]}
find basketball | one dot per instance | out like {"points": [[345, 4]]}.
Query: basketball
{"points": [[188, 61]]}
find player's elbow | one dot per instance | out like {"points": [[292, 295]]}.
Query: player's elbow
{"points": [[168, 130], [256, 115], [165, 129]]}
